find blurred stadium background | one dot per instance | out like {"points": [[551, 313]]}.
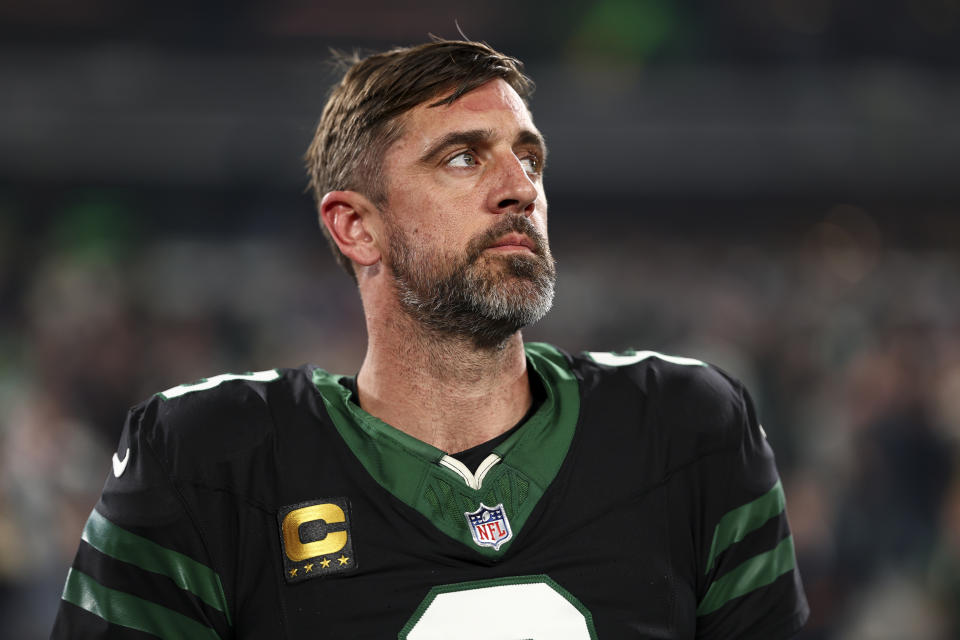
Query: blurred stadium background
{"points": [[772, 185]]}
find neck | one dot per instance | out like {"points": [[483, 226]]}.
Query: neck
{"points": [[443, 390]]}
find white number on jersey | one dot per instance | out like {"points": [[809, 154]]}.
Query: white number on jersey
{"points": [[210, 383], [533, 607]]}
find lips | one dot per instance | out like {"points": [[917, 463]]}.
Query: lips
{"points": [[515, 240]]}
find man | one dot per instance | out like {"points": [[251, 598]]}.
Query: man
{"points": [[464, 485]]}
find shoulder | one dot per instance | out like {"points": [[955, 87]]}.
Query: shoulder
{"points": [[212, 419], [691, 404]]}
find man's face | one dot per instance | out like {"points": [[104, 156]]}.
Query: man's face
{"points": [[465, 220]]}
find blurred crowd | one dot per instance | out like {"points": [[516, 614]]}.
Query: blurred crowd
{"points": [[847, 338], [147, 239]]}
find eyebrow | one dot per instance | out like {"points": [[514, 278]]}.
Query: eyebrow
{"points": [[533, 139], [475, 137]]}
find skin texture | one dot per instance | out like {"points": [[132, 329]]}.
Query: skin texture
{"points": [[464, 190]]}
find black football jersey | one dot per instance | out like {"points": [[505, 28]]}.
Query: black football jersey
{"points": [[640, 500]]}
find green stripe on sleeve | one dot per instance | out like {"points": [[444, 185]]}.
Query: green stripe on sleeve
{"points": [[187, 573], [735, 525], [130, 611], [756, 572]]}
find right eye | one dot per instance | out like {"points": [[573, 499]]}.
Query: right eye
{"points": [[463, 159]]}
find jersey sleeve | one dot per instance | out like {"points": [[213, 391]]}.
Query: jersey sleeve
{"points": [[142, 569], [749, 585]]}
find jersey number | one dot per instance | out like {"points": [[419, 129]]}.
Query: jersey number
{"points": [[533, 607], [216, 381]]}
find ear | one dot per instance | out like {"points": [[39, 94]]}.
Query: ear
{"points": [[347, 216]]}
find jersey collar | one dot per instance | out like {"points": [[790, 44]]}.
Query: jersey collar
{"points": [[421, 476]]}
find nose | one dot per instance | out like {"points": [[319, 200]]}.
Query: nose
{"points": [[513, 190]]}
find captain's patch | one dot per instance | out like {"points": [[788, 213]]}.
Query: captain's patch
{"points": [[489, 526], [316, 539]]}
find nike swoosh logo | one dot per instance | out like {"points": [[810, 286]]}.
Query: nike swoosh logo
{"points": [[119, 466]]}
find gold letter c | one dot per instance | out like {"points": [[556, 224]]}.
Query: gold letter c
{"points": [[331, 543]]}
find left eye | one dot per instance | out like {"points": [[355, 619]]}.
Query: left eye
{"points": [[531, 164], [465, 159]]}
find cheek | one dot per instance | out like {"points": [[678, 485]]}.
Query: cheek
{"points": [[542, 193], [540, 215]]}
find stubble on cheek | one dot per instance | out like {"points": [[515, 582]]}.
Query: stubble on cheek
{"points": [[485, 296]]}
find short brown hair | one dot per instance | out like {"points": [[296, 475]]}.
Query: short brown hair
{"points": [[362, 117]]}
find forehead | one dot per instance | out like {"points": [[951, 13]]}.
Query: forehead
{"points": [[494, 105], [496, 95]]}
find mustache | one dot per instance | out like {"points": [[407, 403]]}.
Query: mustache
{"points": [[507, 224]]}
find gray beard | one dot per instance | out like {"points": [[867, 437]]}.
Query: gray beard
{"points": [[485, 298]]}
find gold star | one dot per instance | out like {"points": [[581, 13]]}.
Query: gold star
{"points": [[293, 572], [325, 563], [307, 568], [343, 560]]}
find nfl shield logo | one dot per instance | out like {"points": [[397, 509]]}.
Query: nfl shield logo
{"points": [[489, 526]]}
